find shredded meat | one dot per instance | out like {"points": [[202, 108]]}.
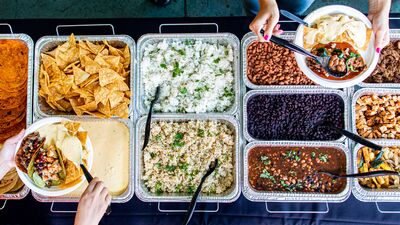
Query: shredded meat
{"points": [[388, 68]]}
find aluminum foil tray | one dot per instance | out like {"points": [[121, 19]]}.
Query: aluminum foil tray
{"points": [[47, 43], [142, 192], [223, 38], [259, 196]]}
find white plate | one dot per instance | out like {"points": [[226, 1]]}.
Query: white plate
{"points": [[53, 191], [370, 56]]}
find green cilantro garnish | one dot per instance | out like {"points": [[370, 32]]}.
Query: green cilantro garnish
{"points": [[183, 166], [265, 174], [176, 71], [292, 155], [158, 187], [265, 160], [323, 157], [200, 132], [170, 168], [178, 140], [183, 90]]}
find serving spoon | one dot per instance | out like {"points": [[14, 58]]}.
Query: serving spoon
{"points": [[362, 175], [293, 17], [323, 60], [189, 213], [148, 121]]}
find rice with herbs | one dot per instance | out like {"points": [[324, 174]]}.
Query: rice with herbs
{"points": [[194, 76], [179, 154]]}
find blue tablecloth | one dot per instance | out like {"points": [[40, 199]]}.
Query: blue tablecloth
{"points": [[29, 211]]}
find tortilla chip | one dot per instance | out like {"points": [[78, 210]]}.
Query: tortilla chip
{"points": [[80, 75], [108, 76]]}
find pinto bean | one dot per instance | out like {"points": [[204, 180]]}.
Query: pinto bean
{"points": [[271, 64]]}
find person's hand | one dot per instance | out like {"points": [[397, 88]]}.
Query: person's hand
{"points": [[267, 19], [7, 153], [379, 16], [93, 204]]}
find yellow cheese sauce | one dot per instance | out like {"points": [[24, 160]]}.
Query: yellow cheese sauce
{"points": [[111, 153]]}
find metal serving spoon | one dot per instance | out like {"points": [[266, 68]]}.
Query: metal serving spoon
{"points": [[293, 17], [193, 202], [362, 175], [148, 121], [323, 60]]}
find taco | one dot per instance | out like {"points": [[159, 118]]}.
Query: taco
{"points": [[46, 168], [48, 155], [29, 146]]}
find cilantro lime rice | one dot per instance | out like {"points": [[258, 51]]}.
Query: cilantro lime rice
{"points": [[195, 76]]}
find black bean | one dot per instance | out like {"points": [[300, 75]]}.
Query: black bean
{"points": [[294, 116]]}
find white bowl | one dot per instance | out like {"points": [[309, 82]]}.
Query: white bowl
{"points": [[53, 191], [370, 56]]}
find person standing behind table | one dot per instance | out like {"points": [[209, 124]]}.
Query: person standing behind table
{"points": [[268, 16], [94, 200]]}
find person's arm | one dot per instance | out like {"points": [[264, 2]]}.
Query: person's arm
{"points": [[267, 19], [93, 203], [378, 13], [7, 154]]}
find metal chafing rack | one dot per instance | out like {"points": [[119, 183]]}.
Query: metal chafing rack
{"points": [[29, 43]]}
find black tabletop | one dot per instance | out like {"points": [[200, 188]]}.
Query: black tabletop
{"points": [[242, 211]]}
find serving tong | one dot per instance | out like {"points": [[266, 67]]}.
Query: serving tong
{"points": [[189, 213], [361, 175], [360, 140], [149, 115]]}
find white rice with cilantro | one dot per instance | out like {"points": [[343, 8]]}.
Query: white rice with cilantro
{"points": [[195, 76], [179, 154]]}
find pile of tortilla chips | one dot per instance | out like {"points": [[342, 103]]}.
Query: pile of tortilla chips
{"points": [[86, 78], [13, 91]]}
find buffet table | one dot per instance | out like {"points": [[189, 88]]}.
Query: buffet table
{"points": [[242, 211]]}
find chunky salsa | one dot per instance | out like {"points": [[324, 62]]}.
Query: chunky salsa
{"points": [[343, 56], [294, 169]]}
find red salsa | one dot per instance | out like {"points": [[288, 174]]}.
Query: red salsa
{"points": [[294, 169]]}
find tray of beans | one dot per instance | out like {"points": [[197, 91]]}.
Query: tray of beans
{"points": [[382, 188], [289, 171], [178, 154], [294, 115], [267, 65], [387, 71], [375, 113]]}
